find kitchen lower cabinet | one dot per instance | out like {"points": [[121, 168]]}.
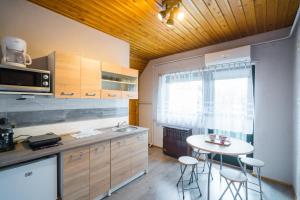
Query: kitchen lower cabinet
{"points": [[99, 169], [129, 157], [95, 170], [139, 155], [76, 174], [120, 160]]}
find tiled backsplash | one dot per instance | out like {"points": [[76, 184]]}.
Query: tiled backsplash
{"points": [[33, 118]]}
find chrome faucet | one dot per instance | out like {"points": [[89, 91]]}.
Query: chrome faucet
{"points": [[120, 124]]}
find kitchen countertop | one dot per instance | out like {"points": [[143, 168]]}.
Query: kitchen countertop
{"points": [[23, 152]]}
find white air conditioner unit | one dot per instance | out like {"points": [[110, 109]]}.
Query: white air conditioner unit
{"points": [[240, 54]]}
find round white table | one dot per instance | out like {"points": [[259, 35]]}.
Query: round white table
{"points": [[237, 148]]}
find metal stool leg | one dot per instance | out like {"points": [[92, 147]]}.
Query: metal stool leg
{"points": [[196, 175], [259, 181], [182, 172], [228, 187], [238, 190], [191, 178], [246, 189], [221, 165]]}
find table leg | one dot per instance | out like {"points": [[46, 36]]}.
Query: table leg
{"points": [[209, 174], [241, 166]]}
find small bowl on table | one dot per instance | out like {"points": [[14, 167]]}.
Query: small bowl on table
{"points": [[212, 137], [222, 139]]}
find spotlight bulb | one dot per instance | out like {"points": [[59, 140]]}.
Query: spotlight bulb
{"points": [[180, 15]]}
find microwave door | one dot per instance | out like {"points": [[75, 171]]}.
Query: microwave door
{"points": [[19, 80]]}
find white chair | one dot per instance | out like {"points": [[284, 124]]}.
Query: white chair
{"points": [[186, 161], [255, 163], [231, 177]]}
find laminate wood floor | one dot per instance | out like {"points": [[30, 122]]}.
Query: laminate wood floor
{"points": [[164, 172]]}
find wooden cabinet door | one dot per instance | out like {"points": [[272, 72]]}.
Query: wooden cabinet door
{"points": [[76, 174], [90, 78], [111, 68], [120, 160], [67, 75], [111, 94], [130, 72], [139, 159], [99, 169]]}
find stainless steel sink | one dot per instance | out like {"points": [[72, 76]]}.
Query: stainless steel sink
{"points": [[126, 129]]}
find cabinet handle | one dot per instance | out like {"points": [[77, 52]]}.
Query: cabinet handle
{"points": [[28, 174], [112, 95], [75, 158], [102, 149], [90, 94], [67, 94]]}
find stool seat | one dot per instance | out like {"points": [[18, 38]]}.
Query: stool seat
{"points": [[233, 175], [187, 160], [252, 162]]}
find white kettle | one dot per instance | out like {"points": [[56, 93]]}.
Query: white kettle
{"points": [[14, 52]]}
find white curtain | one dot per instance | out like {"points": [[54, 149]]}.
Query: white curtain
{"points": [[179, 99], [229, 104], [219, 98]]}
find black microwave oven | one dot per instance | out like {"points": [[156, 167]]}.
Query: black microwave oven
{"points": [[22, 79]]}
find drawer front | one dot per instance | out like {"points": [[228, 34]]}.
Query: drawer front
{"points": [[67, 91], [120, 160], [89, 92], [76, 174], [99, 169], [129, 95], [111, 94]]}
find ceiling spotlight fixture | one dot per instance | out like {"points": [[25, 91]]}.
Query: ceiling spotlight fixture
{"points": [[170, 11]]}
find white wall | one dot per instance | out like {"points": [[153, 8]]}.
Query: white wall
{"points": [[45, 31], [296, 104], [273, 130]]}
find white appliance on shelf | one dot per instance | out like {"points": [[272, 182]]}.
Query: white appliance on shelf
{"points": [[14, 52], [240, 54], [36, 180]]}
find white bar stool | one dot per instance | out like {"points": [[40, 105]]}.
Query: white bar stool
{"points": [[258, 164], [234, 176], [186, 161]]}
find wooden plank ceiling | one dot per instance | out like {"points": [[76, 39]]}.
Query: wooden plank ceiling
{"points": [[206, 22]]}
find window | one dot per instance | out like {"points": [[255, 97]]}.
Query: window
{"points": [[180, 99], [211, 99], [230, 103]]}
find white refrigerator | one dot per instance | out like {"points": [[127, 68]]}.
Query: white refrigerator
{"points": [[35, 180]]}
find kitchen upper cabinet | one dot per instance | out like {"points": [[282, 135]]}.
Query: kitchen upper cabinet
{"points": [[99, 169], [121, 81], [76, 174], [120, 160], [65, 70], [90, 71]]}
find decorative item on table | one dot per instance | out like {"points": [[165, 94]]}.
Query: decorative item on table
{"points": [[222, 139], [212, 137]]}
